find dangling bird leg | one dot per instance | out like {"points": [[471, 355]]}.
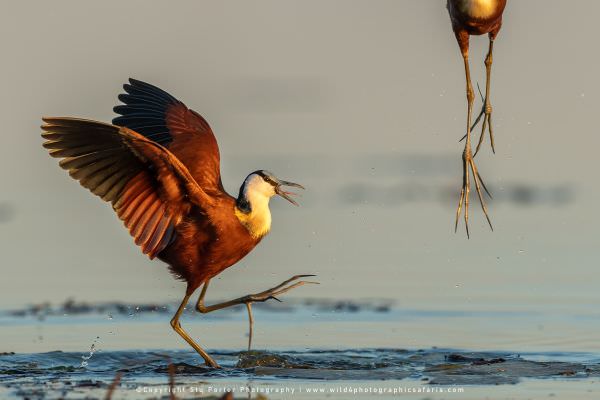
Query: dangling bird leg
{"points": [[177, 327], [467, 158], [480, 114], [487, 107], [282, 288]]}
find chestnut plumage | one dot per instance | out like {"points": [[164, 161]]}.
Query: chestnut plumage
{"points": [[158, 165]]}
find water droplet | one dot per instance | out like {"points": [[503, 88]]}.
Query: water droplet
{"points": [[110, 316], [84, 362]]}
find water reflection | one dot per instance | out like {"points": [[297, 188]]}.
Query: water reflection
{"points": [[396, 179], [402, 193]]}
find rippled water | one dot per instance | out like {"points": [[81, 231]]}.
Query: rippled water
{"points": [[308, 346], [58, 372]]}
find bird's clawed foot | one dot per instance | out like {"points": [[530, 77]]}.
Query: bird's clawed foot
{"points": [[469, 165], [282, 288]]}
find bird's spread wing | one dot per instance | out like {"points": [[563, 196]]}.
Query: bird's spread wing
{"points": [[162, 118], [149, 188]]}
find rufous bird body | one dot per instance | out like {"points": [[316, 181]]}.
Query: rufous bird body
{"points": [[159, 166]]}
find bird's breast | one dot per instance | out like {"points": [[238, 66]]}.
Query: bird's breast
{"points": [[257, 222], [480, 9]]}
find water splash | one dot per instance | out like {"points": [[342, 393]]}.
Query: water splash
{"points": [[86, 358]]}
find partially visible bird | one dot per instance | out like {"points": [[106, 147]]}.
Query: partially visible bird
{"points": [[475, 17], [158, 165]]}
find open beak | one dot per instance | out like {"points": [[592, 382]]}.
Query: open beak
{"points": [[286, 195]]}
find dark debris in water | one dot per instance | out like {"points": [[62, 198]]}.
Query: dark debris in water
{"points": [[182, 368], [74, 307], [508, 372], [459, 358], [465, 369], [252, 359]]}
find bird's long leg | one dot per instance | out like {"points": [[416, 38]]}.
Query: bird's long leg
{"points": [[251, 324], [203, 309], [282, 288], [478, 117], [486, 109], [177, 327], [468, 161]]}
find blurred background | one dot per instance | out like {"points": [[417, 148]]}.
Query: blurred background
{"points": [[363, 102]]}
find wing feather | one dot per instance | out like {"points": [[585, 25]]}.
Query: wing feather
{"points": [[153, 241], [145, 228], [149, 188], [160, 117]]}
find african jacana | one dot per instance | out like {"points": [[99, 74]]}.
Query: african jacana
{"points": [[475, 17], [159, 166]]}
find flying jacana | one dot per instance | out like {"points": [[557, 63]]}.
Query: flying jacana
{"points": [[475, 17], [158, 165]]}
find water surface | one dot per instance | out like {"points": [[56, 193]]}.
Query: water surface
{"points": [[76, 349]]}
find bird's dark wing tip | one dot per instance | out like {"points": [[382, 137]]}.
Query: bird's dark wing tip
{"points": [[134, 82]]}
